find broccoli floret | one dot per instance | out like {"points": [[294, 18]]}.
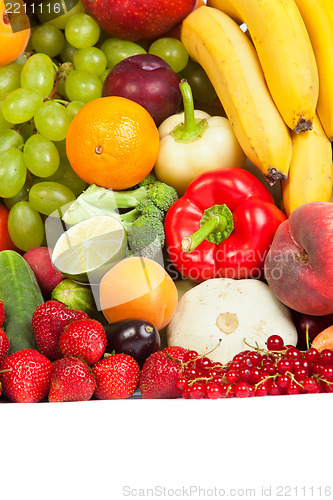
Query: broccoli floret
{"points": [[146, 236], [149, 180], [148, 209], [162, 195]]}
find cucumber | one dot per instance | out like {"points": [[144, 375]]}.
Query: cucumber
{"points": [[20, 294]]}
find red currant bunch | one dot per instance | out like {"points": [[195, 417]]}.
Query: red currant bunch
{"points": [[278, 370]]}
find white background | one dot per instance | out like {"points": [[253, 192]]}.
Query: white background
{"points": [[93, 450]]}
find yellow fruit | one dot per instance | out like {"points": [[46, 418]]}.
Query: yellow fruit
{"points": [[216, 42]]}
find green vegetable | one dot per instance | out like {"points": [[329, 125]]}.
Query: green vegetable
{"points": [[146, 236], [21, 295], [143, 224], [75, 296]]}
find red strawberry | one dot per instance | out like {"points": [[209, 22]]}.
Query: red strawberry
{"points": [[85, 339], [48, 323], [25, 376], [2, 313], [4, 345], [117, 376], [160, 373], [71, 380]]}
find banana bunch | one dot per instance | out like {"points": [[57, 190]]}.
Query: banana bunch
{"points": [[274, 88]]}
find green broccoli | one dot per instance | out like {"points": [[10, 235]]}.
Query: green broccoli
{"points": [[143, 223], [146, 236], [161, 194]]}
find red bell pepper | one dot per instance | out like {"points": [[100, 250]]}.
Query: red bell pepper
{"points": [[222, 226]]}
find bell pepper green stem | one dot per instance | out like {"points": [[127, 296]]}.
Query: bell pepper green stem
{"points": [[216, 225], [191, 129], [190, 243]]}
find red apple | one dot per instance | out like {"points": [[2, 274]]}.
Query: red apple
{"points": [[147, 80], [299, 265], [138, 19]]}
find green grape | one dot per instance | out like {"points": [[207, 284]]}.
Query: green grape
{"points": [[10, 78], [52, 120], [116, 50], [22, 195], [57, 12], [202, 89], [90, 59], [20, 105], [82, 31], [4, 124], [13, 172], [25, 226], [83, 86], [74, 107], [41, 156], [47, 197], [10, 139], [48, 40], [172, 51], [67, 53], [38, 73], [66, 176]]}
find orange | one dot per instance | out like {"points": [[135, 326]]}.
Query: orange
{"points": [[324, 339], [14, 31], [112, 142], [138, 288]]}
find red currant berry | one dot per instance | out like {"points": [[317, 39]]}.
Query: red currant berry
{"points": [[190, 355], [311, 385], [326, 357], [275, 343], [285, 365], [317, 368], [244, 373], [293, 388], [255, 375], [192, 372], [231, 376], [204, 363], [262, 388], [328, 386], [274, 389], [293, 353], [227, 390], [186, 393], [311, 354], [198, 390], [255, 358], [283, 381], [327, 372], [214, 391], [182, 383], [301, 374], [243, 389]]}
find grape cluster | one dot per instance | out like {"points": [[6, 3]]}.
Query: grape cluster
{"points": [[62, 69], [279, 370]]}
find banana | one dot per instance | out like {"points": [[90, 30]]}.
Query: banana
{"points": [[217, 43], [285, 53], [318, 19], [226, 7], [310, 175]]}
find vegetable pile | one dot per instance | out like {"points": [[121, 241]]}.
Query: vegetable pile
{"points": [[166, 222]]}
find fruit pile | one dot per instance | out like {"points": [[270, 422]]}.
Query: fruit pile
{"points": [[160, 168]]}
